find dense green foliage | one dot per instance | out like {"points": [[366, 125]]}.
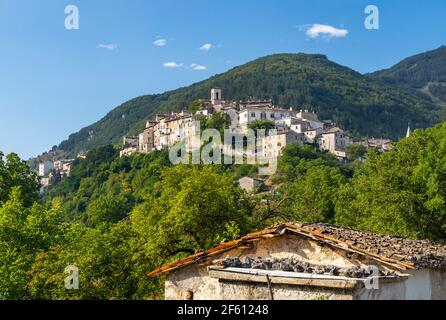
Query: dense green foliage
{"points": [[425, 71], [262, 125], [402, 191], [438, 91], [115, 218], [15, 174], [334, 92], [25, 226]]}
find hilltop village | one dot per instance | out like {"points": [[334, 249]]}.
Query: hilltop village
{"points": [[166, 130], [292, 126], [303, 127]]}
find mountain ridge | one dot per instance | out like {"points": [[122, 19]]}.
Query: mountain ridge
{"points": [[357, 102], [425, 72]]}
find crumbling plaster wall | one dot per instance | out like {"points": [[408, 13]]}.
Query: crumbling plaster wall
{"points": [[234, 290], [193, 281]]}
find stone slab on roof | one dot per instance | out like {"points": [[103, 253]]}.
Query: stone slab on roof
{"points": [[421, 253], [396, 252]]}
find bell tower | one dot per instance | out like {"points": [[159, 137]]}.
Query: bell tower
{"points": [[216, 97]]}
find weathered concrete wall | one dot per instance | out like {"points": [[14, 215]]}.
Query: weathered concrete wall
{"points": [[193, 282], [438, 281], [188, 284], [257, 291], [421, 285]]}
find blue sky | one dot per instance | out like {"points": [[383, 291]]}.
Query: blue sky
{"points": [[55, 81]]}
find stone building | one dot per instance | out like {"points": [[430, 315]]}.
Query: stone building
{"points": [[146, 143], [311, 135], [129, 146], [311, 118], [334, 141], [249, 184], [274, 144], [252, 113], [45, 167], [166, 130], [310, 262], [63, 167]]}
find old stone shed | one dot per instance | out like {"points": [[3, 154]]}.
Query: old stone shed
{"points": [[318, 261]]}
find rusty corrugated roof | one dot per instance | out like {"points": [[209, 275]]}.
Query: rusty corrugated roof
{"points": [[388, 250]]}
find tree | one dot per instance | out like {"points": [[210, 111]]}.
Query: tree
{"points": [[296, 159], [195, 105], [355, 151], [187, 214], [15, 173], [109, 208], [219, 121], [262, 125], [402, 191], [111, 265], [313, 196], [23, 233]]}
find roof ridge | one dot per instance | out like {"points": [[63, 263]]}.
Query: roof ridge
{"points": [[302, 229]]}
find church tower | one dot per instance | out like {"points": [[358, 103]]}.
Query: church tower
{"points": [[408, 132], [216, 97]]}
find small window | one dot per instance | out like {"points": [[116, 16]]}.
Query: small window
{"points": [[253, 115]]}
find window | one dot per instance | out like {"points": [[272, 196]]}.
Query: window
{"points": [[272, 115], [253, 114]]}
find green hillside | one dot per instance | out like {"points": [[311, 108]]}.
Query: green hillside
{"points": [[117, 218], [425, 71], [338, 93]]}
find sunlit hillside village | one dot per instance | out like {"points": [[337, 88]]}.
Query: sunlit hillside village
{"points": [[292, 126], [166, 130]]}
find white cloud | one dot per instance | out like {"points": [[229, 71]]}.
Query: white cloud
{"points": [[109, 46], [160, 42], [315, 31], [206, 47], [198, 67], [172, 65]]}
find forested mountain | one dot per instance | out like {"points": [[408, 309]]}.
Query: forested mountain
{"points": [[353, 101], [425, 71]]}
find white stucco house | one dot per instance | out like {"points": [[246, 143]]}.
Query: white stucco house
{"points": [[249, 184], [310, 262], [45, 167]]}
